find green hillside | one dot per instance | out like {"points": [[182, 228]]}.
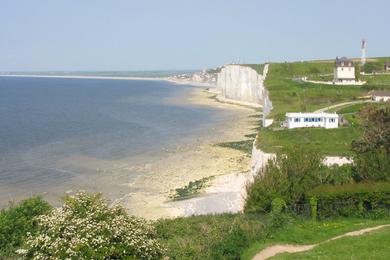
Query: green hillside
{"points": [[289, 93]]}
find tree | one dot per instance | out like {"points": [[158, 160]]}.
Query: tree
{"points": [[289, 176], [372, 151]]}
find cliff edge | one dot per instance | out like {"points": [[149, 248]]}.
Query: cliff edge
{"points": [[239, 83]]}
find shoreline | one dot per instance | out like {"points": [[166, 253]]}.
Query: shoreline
{"points": [[172, 169], [229, 167], [168, 79]]}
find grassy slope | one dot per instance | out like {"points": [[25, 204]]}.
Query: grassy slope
{"points": [[289, 95], [326, 141], [233, 236], [210, 237], [308, 232], [369, 246]]}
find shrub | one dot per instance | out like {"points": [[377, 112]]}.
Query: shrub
{"points": [[351, 199], [313, 207], [372, 151], [16, 221], [86, 228], [337, 175], [278, 218], [288, 176]]}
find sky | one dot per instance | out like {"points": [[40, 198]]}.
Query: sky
{"points": [[71, 35]]}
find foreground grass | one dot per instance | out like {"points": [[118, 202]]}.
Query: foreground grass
{"points": [[326, 141], [223, 236], [369, 246], [241, 236], [309, 232]]}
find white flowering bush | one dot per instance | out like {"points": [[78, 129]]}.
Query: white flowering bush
{"points": [[86, 228]]}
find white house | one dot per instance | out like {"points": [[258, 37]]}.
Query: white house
{"points": [[298, 120], [344, 70], [379, 96]]}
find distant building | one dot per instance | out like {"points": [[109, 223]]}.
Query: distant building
{"points": [[299, 120], [380, 96], [387, 65], [344, 70]]}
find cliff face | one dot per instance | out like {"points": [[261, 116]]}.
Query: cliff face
{"points": [[241, 83]]}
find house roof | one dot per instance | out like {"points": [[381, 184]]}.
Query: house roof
{"points": [[343, 62], [387, 63], [323, 114], [380, 93]]}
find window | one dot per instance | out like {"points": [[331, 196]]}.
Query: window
{"points": [[297, 120], [332, 120]]}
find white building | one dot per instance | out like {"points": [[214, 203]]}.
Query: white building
{"points": [[380, 96], [298, 120], [344, 70]]}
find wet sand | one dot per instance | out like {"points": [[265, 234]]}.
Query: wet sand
{"points": [[176, 168]]}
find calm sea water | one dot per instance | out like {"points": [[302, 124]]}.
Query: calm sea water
{"points": [[56, 134]]}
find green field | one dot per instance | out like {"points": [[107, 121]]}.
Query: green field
{"points": [[368, 246], [326, 141], [377, 81], [302, 232], [241, 236], [289, 94]]}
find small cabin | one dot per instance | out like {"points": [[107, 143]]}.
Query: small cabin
{"points": [[380, 96], [344, 70], [299, 120]]}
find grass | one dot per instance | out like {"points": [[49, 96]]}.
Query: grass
{"points": [[223, 236], [348, 109], [377, 81], [309, 232], [369, 246], [259, 68], [326, 141], [288, 95], [191, 190]]}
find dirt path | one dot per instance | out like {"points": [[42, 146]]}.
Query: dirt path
{"points": [[278, 249], [340, 105]]}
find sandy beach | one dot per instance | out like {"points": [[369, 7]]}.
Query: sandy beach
{"points": [[161, 173], [177, 168]]}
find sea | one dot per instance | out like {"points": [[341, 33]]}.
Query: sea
{"points": [[59, 135]]}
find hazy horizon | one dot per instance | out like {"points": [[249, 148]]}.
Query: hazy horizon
{"points": [[184, 35]]}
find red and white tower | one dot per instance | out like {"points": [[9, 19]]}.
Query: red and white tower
{"points": [[363, 59]]}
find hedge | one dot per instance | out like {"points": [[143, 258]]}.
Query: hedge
{"points": [[351, 199]]}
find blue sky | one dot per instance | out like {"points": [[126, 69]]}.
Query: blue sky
{"points": [[184, 34]]}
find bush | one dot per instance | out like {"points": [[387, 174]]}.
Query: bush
{"points": [[337, 175], [372, 151], [16, 221], [351, 199], [86, 228], [293, 172]]}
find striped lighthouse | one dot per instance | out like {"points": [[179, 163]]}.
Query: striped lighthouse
{"points": [[363, 58]]}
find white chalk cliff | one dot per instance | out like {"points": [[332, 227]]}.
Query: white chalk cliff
{"points": [[241, 83]]}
